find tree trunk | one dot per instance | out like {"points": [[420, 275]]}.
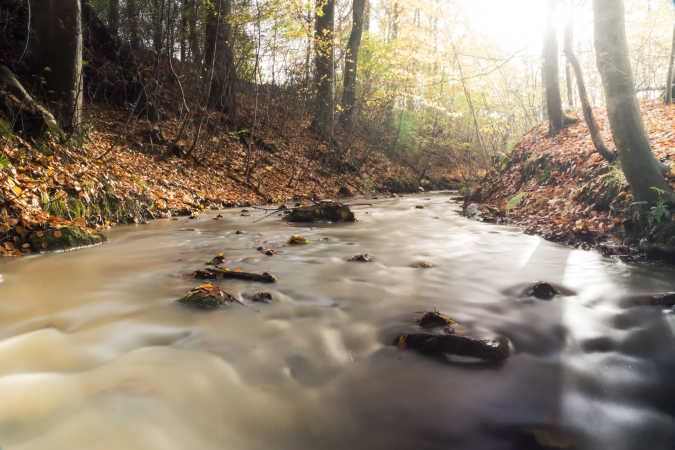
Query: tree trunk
{"points": [[324, 63], [58, 31], [641, 168], [193, 38], [593, 127], [132, 21], [569, 39], [351, 61], [220, 59], [114, 16], [551, 75], [158, 25], [669, 78]]}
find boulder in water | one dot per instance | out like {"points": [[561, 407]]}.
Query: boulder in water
{"points": [[321, 212]]}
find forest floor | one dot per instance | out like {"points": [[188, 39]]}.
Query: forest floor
{"points": [[562, 189]]}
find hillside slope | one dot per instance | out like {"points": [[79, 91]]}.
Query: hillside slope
{"points": [[563, 190]]}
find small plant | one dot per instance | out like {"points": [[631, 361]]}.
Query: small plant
{"points": [[5, 163], [5, 130], [514, 201], [660, 210], [141, 183]]}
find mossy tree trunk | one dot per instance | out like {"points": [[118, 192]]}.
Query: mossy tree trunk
{"points": [[351, 60], [642, 169]]}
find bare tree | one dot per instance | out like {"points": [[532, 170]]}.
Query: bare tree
{"points": [[669, 77], [642, 169], [551, 75], [219, 58], [324, 68], [351, 61], [592, 124], [114, 16], [58, 29], [132, 24]]}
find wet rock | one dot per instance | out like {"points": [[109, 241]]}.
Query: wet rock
{"points": [[297, 239], [323, 211], [227, 273], [482, 212], [267, 251], [493, 350], [542, 290], [364, 257], [207, 297], [435, 319], [63, 238], [422, 265], [661, 300]]}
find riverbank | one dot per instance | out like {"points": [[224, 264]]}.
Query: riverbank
{"points": [[119, 173], [562, 189]]}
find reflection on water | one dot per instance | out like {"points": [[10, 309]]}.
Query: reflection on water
{"points": [[94, 354]]}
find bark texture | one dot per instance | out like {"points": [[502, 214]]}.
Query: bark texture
{"points": [[58, 57], [641, 168]]}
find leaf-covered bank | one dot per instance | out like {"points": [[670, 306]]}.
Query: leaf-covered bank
{"points": [[563, 190], [47, 184]]}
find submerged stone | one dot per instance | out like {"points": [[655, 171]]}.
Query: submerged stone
{"points": [[364, 257], [321, 212], [422, 265], [262, 297], [63, 238]]}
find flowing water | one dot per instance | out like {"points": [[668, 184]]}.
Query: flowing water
{"points": [[95, 353]]}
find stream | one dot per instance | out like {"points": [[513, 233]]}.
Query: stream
{"points": [[96, 354]]}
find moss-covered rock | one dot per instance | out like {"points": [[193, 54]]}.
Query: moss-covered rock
{"points": [[324, 211], [207, 296], [63, 238]]}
